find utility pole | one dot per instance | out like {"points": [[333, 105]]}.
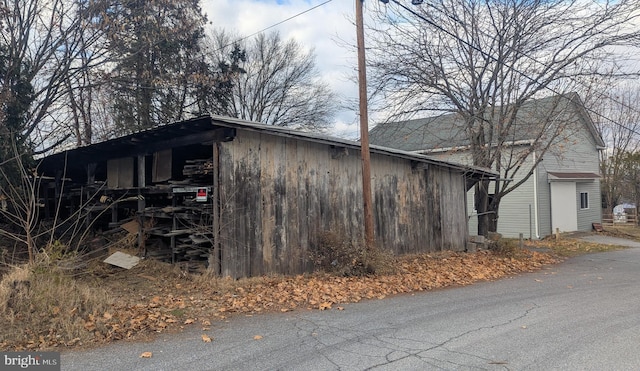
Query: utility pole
{"points": [[364, 129]]}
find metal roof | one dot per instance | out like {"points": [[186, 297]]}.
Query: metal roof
{"points": [[325, 139], [148, 141]]}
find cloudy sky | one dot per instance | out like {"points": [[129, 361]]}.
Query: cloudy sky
{"points": [[328, 29]]}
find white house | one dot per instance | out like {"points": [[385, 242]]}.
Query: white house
{"points": [[563, 190]]}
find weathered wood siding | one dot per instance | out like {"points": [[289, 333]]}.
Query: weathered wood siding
{"points": [[417, 207], [277, 193]]}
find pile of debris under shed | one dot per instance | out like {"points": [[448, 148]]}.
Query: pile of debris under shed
{"points": [[172, 217], [182, 230]]}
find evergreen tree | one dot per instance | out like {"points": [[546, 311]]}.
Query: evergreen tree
{"points": [[155, 44], [16, 96]]}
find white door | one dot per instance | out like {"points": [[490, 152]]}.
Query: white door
{"points": [[564, 207]]}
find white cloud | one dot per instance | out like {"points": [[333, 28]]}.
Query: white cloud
{"points": [[328, 30]]}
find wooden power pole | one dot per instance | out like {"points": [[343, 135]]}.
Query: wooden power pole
{"points": [[364, 129]]}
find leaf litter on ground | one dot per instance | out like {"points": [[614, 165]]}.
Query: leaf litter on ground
{"points": [[155, 297]]}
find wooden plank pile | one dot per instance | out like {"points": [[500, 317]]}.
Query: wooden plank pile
{"points": [[184, 232], [199, 170]]}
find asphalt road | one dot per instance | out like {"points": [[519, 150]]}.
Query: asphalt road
{"points": [[583, 314]]}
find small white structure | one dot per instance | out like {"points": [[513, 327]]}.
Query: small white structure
{"points": [[620, 212]]}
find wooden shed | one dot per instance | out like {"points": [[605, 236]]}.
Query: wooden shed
{"points": [[251, 199]]}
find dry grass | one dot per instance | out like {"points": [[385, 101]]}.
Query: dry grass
{"points": [[624, 231], [508, 248], [570, 245], [40, 305]]}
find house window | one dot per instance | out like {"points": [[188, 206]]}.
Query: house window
{"points": [[584, 200]]}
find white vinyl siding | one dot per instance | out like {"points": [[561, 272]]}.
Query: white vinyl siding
{"points": [[581, 156], [586, 217], [577, 152], [516, 212], [544, 202]]}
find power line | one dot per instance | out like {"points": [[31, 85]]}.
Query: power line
{"points": [[600, 95], [255, 33], [274, 25], [526, 76]]}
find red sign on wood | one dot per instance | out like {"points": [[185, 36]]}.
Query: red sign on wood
{"points": [[201, 195]]}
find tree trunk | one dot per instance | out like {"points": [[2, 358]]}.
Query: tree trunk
{"points": [[493, 214], [482, 206], [487, 207]]}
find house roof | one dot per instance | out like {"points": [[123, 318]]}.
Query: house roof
{"points": [[208, 128], [449, 131]]}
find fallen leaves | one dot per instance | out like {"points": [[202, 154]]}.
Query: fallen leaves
{"points": [[146, 355], [416, 273], [165, 303]]}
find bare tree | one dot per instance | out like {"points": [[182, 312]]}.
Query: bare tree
{"points": [[484, 60], [618, 120], [279, 85], [41, 43], [43, 46], [86, 82]]}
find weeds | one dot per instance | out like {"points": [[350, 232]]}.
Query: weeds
{"points": [[338, 254], [508, 248], [39, 301]]}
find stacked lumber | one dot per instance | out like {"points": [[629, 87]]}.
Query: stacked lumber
{"points": [[199, 168], [185, 232]]}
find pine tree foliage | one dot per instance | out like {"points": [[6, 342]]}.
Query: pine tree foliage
{"points": [[154, 46]]}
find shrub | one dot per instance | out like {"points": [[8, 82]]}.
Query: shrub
{"points": [[337, 253], [508, 248]]}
